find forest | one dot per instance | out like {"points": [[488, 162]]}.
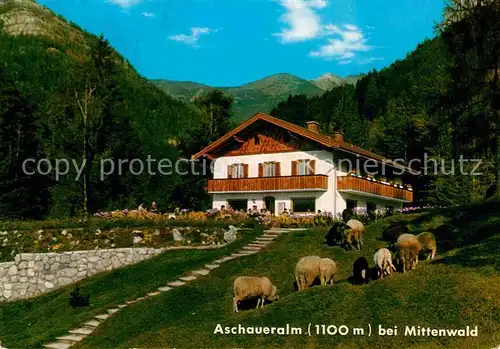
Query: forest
{"points": [[81, 100]]}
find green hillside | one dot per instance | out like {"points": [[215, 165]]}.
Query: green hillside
{"points": [[261, 95], [45, 74], [459, 288]]}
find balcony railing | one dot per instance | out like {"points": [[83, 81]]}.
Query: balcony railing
{"points": [[355, 184], [282, 183]]}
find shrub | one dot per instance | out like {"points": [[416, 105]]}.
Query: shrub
{"points": [[77, 299]]}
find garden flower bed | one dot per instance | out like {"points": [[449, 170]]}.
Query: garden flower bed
{"points": [[77, 239]]}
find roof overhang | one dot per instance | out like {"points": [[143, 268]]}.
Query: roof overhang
{"points": [[322, 139]]}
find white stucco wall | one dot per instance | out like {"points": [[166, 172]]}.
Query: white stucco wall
{"points": [[323, 162]]}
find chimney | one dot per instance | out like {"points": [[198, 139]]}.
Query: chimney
{"points": [[313, 126], [338, 137]]}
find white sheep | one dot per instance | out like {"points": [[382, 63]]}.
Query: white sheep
{"points": [[306, 271], [327, 271], [246, 287], [408, 247], [383, 261]]}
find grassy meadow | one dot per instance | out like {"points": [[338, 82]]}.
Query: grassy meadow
{"points": [[457, 289]]}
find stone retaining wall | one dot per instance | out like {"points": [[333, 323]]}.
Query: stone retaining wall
{"points": [[32, 274]]}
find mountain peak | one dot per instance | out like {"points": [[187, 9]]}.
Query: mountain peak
{"points": [[27, 17], [328, 81], [328, 76]]}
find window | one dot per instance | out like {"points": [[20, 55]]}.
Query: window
{"points": [[269, 169], [237, 171], [238, 205], [351, 204], [371, 207], [304, 205], [345, 165], [389, 210], [303, 167]]}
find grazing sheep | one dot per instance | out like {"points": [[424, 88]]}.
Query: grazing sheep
{"points": [[306, 271], [383, 261], [392, 234], [327, 271], [355, 224], [360, 270], [246, 287], [428, 243], [336, 234], [408, 247], [354, 235]]}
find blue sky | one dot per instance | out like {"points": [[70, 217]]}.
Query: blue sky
{"points": [[232, 42]]}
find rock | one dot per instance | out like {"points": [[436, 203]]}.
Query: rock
{"points": [[64, 232], [177, 235], [12, 270], [230, 235], [7, 294]]}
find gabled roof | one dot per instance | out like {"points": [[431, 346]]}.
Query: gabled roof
{"points": [[319, 138]]}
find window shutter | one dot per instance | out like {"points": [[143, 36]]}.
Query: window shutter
{"points": [[312, 165], [294, 168], [278, 169], [261, 170], [229, 171], [245, 170]]}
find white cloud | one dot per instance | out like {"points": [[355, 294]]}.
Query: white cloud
{"points": [[125, 3], [148, 14], [192, 39], [351, 27], [349, 40], [304, 23], [302, 20]]}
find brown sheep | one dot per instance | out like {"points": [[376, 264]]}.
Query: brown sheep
{"points": [[306, 271], [354, 235], [327, 271], [246, 287], [428, 243], [408, 248]]}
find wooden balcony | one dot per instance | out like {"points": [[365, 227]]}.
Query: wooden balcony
{"points": [[365, 186], [269, 184]]}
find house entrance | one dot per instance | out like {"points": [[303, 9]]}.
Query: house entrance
{"points": [[269, 203]]}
